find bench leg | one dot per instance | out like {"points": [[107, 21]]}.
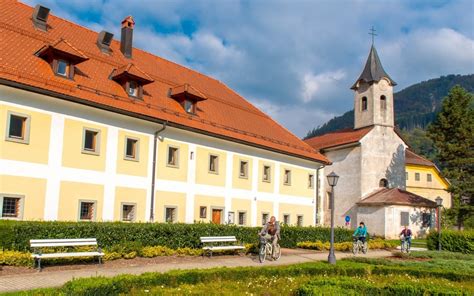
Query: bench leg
{"points": [[39, 264]]}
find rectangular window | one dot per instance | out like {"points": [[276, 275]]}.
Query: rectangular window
{"points": [[429, 178], [266, 173], [170, 214], [133, 89], [231, 218], [404, 219], [311, 181], [287, 177], [131, 148], [406, 176], [426, 220], [62, 68], [299, 220], [128, 212], [202, 212], [244, 169], [265, 218], [417, 176], [173, 157], [87, 210], [91, 141], [18, 128], [11, 207], [286, 219], [214, 164], [242, 218], [189, 106]]}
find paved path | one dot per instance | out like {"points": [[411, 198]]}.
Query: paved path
{"points": [[57, 278]]}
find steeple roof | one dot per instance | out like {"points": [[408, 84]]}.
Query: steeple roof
{"points": [[373, 70]]}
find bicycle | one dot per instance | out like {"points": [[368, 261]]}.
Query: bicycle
{"points": [[358, 246], [266, 249], [404, 246]]}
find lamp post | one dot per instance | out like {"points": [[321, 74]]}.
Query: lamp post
{"points": [[439, 204], [332, 181]]}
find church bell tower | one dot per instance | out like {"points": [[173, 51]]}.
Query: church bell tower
{"points": [[373, 98]]}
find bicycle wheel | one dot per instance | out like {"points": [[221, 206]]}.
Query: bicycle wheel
{"points": [[365, 247], [355, 248], [277, 252], [262, 253]]}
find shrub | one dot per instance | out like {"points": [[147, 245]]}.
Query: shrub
{"points": [[15, 235], [346, 246], [453, 241], [15, 258]]}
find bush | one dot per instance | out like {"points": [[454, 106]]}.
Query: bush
{"points": [[15, 235], [453, 241], [15, 258], [346, 246]]}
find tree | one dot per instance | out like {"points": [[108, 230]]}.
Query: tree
{"points": [[453, 135]]}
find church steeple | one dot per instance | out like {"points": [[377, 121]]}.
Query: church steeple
{"points": [[373, 98]]}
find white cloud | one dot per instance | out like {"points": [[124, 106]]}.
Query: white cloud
{"points": [[314, 86]]}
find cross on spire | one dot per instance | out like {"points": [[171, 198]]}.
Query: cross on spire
{"points": [[372, 32]]}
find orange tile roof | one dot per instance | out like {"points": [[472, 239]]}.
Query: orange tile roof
{"points": [[338, 138], [134, 71], [413, 158], [224, 114], [396, 196]]}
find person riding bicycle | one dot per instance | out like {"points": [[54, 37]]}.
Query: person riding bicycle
{"points": [[271, 232], [406, 232], [361, 232]]}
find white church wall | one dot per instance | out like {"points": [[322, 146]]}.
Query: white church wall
{"points": [[346, 163], [374, 218], [382, 157]]}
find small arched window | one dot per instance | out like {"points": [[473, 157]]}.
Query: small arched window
{"points": [[383, 103], [364, 104], [383, 183]]}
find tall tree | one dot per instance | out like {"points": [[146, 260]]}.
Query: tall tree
{"points": [[453, 135]]}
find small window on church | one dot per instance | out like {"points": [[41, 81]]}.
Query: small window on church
{"points": [[383, 103], [383, 183], [364, 104]]}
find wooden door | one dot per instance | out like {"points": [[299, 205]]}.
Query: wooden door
{"points": [[216, 216]]}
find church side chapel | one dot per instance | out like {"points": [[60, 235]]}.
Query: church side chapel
{"points": [[370, 160]]}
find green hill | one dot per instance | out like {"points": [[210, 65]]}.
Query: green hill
{"points": [[415, 106]]}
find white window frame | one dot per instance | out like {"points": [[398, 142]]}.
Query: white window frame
{"points": [[417, 177], [231, 217], [429, 177], [289, 218], [298, 219], [136, 157], [168, 164], [287, 176], [96, 151], [94, 209], [246, 174], [310, 181], [216, 165], [245, 218], [268, 217], [200, 212], [134, 215], [26, 132], [269, 179], [176, 214], [20, 210]]}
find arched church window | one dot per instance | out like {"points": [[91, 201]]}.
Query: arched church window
{"points": [[383, 103], [364, 103], [383, 183]]}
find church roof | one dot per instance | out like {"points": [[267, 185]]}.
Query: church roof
{"points": [[338, 138], [225, 114], [373, 70], [413, 158], [396, 196]]}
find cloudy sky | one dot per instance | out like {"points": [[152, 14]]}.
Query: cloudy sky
{"points": [[295, 59]]}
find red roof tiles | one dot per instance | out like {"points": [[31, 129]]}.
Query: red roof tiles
{"points": [[338, 138], [224, 114], [396, 196], [413, 158]]}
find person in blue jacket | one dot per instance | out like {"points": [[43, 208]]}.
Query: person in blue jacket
{"points": [[361, 232]]}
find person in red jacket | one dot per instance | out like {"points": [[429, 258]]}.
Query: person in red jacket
{"points": [[406, 232]]}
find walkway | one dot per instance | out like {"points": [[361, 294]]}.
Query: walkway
{"points": [[56, 278]]}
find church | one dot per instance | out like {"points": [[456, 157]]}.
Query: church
{"points": [[370, 161]]}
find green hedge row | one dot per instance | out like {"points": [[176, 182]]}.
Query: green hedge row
{"points": [[15, 235], [453, 241], [124, 283]]}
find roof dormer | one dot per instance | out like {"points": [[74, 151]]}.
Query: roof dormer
{"points": [[187, 96], [62, 57], [132, 80]]}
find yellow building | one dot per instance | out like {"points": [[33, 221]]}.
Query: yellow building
{"points": [[92, 129], [425, 179]]}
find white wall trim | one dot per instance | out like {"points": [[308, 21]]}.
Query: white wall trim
{"points": [[111, 153]]}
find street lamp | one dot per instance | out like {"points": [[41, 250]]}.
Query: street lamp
{"points": [[332, 181], [439, 204]]}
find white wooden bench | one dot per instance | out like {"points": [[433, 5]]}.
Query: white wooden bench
{"points": [[219, 243], [37, 244]]}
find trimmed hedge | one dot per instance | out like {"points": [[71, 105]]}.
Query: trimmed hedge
{"points": [[347, 246], [15, 235], [453, 241]]}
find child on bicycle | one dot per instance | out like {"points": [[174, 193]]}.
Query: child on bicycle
{"points": [[406, 232], [361, 232], [271, 231]]}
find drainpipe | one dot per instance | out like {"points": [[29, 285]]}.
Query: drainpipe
{"points": [[153, 171], [317, 193]]}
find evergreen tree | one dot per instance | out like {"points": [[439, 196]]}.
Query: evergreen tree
{"points": [[453, 135]]}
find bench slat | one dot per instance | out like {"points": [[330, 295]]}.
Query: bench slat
{"points": [[224, 248], [62, 255], [71, 244], [62, 240], [217, 237]]}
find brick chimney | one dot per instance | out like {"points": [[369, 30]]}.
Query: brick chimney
{"points": [[126, 40]]}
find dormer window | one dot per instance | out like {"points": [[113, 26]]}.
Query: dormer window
{"points": [[132, 80], [187, 96], [63, 57]]}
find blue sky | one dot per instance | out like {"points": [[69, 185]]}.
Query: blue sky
{"points": [[294, 59]]}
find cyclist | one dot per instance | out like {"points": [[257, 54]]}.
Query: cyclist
{"points": [[361, 232], [271, 231], [406, 232]]}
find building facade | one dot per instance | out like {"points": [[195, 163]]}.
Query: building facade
{"points": [[92, 129]]}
